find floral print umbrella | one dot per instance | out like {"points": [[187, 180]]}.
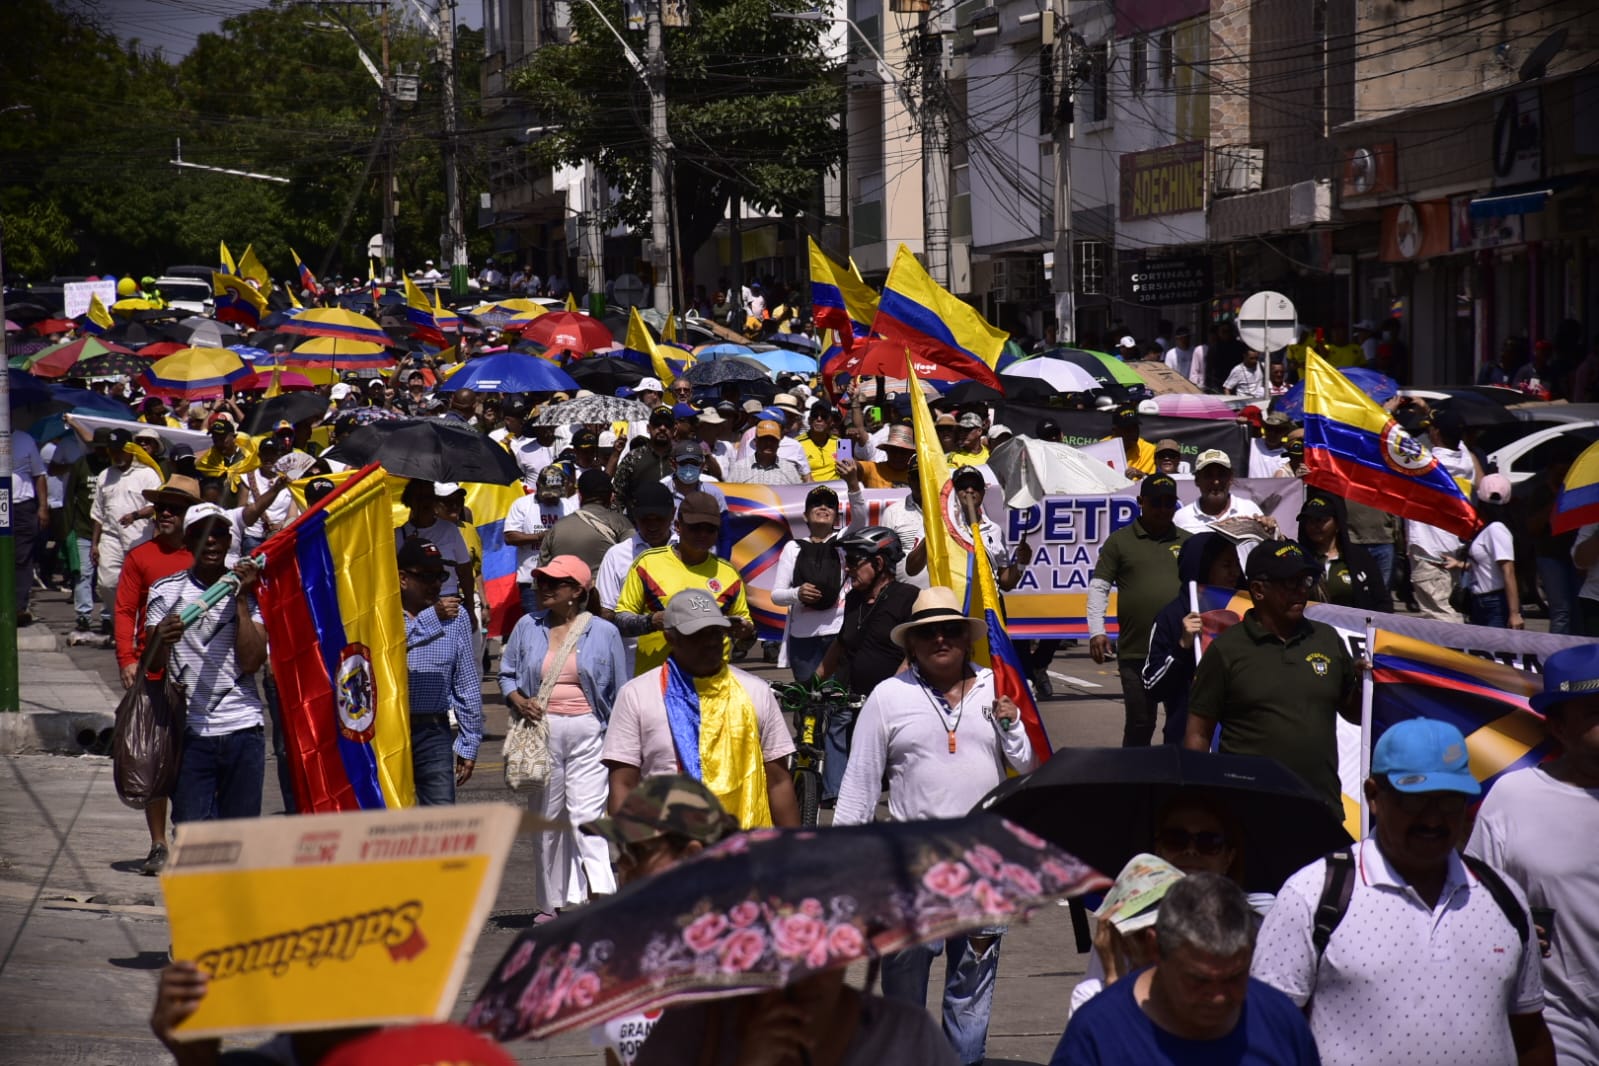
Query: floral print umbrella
{"points": [[769, 908]]}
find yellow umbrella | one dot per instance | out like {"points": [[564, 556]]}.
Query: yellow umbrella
{"points": [[339, 352], [194, 372], [335, 322], [524, 305]]}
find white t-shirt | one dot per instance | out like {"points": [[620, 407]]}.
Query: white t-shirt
{"points": [[531, 515], [901, 730], [221, 698], [1491, 547], [452, 546], [1401, 982], [531, 457], [26, 464], [277, 512], [1264, 460], [1431, 539], [1191, 519], [121, 492], [905, 519], [1242, 381], [1527, 827]]}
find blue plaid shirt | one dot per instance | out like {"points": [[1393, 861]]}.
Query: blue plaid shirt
{"points": [[444, 674]]}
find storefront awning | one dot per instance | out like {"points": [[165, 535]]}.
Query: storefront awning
{"points": [[1521, 203]]}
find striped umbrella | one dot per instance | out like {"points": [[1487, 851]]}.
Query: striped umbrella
{"points": [[285, 380], [339, 353], [335, 322], [60, 359], [193, 373], [1108, 369]]}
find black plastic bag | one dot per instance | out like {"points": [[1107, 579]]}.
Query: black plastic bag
{"points": [[147, 742]]}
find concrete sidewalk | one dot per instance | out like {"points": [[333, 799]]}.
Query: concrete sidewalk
{"points": [[85, 935]]}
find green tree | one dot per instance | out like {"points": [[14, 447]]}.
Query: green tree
{"points": [[752, 109]]}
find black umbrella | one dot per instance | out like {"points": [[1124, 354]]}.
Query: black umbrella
{"points": [[723, 372], [975, 392], [605, 373], [198, 332], [1101, 803], [432, 449], [112, 364], [1476, 409], [289, 407]]}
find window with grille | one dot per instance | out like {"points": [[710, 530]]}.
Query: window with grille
{"points": [[1168, 59], [1088, 262], [1099, 83], [1138, 64]]}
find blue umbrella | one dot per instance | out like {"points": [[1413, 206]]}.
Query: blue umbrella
{"points": [[799, 342], [248, 353], [511, 372], [780, 361], [1380, 387], [88, 402], [725, 350]]}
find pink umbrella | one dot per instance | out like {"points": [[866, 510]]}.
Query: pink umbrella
{"points": [[1194, 405], [287, 380]]}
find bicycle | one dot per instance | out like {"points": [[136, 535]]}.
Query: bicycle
{"points": [[811, 703]]}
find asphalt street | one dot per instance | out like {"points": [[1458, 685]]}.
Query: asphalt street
{"points": [[84, 934]]}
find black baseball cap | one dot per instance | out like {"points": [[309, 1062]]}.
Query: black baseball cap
{"points": [[1317, 506], [593, 483], [653, 498], [968, 474], [1156, 486], [585, 438], [1126, 415], [662, 416], [419, 553], [1277, 559], [821, 496]]}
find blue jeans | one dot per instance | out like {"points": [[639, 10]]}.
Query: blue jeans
{"points": [[433, 759], [1489, 609], [1383, 556], [220, 777], [269, 694], [835, 748], [805, 654], [968, 987], [83, 587], [1560, 581]]}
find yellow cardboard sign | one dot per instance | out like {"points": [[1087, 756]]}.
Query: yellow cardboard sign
{"points": [[333, 920]]}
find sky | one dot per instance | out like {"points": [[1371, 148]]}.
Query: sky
{"points": [[173, 25]]}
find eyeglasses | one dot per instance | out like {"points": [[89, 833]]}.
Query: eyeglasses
{"points": [[950, 631], [427, 577], [173, 509], [1422, 802], [1204, 842]]}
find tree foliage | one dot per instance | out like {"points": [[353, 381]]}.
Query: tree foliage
{"points": [[86, 182], [752, 108]]}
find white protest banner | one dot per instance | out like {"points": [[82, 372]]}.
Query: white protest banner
{"points": [[75, 295]]}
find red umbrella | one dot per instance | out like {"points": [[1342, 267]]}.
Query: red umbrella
{"points": [[569, 329], [46, 326], [160, 349], [58, 361], [879, 357], [288, 381]]}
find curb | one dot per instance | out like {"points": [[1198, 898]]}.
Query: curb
{"points": [[37, 638], [50, 732]]}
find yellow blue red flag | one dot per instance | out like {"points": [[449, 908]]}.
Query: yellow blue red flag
{"points": [[330, 597], [994, 650], [96, 319], [252, 269], [916, 311], [642, 347], [840, 300], [225, 259], [237, 301], [308, 280], [946, 556], [1578, 504], [419, 312], [1355, 448]]}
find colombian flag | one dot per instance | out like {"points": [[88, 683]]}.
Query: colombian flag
{"points": [[1578, 504], [916, 311], [237, 301], [946, 552], [97, 319], [995, 651], [308, 280], [1353, 448], [225, 263], [489, 504], [840, 300], [425, 326], [252, 269], [330, 597], [642, 348]]}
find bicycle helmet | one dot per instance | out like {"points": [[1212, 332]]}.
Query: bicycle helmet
{"points": [[874, 540]]}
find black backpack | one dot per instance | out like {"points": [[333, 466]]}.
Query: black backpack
{"points": [[1339, 884], [818, 565]]}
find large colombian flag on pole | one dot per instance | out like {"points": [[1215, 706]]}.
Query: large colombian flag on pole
{"points": [[840, 300], [946, 553], [331, 601], [1355, 449], [916, 311]]}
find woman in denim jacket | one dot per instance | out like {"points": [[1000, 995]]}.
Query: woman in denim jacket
{"points": [[569, 867]]}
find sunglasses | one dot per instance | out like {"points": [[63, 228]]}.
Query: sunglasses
{"points": [[1204, 842], [950, 631], [176, 510], [554, 582]]}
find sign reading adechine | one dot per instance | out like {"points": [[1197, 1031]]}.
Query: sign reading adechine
{"points": [[1163, 181]]}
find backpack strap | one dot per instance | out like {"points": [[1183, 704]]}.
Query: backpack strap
{"points": [[1337, 886], [1513, 911]]}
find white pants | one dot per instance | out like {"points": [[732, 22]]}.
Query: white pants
{"points": [[569, 867]]}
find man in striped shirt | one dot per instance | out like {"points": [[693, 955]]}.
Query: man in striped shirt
{"points": [[443, 674]]}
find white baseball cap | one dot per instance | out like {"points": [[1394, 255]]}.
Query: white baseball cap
{"points": [[200, 512], [1212, 457], [444, 489], [339, 391], [1128, 342], [649, 385]]}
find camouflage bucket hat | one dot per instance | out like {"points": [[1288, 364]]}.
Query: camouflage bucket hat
{"points": [[671, 804]]}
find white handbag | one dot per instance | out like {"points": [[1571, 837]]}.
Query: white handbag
{"points": [[527, 744]]}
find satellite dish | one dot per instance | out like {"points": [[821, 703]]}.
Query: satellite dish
{"points": [[1538, 61], [1268, 321]]}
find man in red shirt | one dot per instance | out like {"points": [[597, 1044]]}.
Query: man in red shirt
{"points": [[164, 554]]}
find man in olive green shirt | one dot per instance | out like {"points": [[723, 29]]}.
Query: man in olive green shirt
{"points": [[1276, 681], [1140, 561]]}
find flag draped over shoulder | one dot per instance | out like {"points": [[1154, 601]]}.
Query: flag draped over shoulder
{"points": [[916, 311], [995, 651], [308, 280], [330, 597], [1355, 449], [840, 300], [946, 555], [237, 301]]}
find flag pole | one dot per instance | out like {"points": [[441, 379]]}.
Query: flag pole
{"points": [[1367, 691], [1193, 606]]}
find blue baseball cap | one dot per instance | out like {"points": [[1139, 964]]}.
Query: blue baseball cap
{"points": [[772, 414], [683, 410], [1424, 755], [1568, 675]]}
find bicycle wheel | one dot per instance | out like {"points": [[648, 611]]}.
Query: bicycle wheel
{"points": [[808, 791]]}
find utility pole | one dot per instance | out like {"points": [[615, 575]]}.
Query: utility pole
{"points": [[1063, 281], [455, 233], [9, 694], [660, 159], [935, 127], [386, 97], [595, 196]]}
